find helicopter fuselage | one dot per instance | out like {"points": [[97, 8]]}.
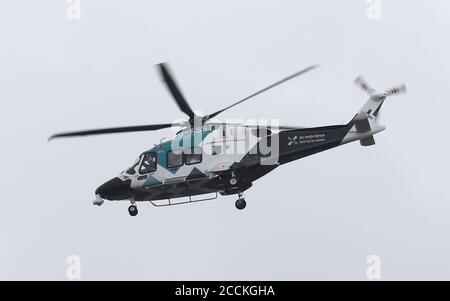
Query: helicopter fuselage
{"points": [[218, 158], [226, 158]]}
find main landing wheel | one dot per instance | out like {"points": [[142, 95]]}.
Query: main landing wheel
{"points": [[240, 204], [132, 210]]}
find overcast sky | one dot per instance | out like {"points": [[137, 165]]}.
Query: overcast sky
{"points": [[314, 219]]}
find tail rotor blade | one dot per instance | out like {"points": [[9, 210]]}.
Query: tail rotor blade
{"points": [[396, 90], [362, 83]]}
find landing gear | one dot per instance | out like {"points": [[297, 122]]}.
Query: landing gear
{"points": [[132, 210], [240, 203]]}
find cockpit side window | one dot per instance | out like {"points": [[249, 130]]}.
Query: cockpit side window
{"points": [[148, 163]]}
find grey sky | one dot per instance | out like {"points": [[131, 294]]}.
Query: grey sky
{"points": [[317, 218]]}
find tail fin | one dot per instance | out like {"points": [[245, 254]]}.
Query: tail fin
{"points": [[366, 121]]}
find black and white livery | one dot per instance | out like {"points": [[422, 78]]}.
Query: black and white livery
{"points": [[207, 157]]}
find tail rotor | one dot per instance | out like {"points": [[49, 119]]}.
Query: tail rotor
{"points": [[364, 85], [372, 107]]}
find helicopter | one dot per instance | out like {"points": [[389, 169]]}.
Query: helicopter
{"points": [[207, 158]]}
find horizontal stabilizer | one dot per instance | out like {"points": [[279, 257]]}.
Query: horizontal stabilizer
{"points": [[362, 123], [367, 141], [362, 126]]}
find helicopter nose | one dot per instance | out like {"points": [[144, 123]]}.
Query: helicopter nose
{"points": [[115, 189]]}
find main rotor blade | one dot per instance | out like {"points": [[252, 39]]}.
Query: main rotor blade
{"points": [[173, 88], [137, 128], [263, 90]]}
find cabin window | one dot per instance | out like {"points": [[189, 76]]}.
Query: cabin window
{"points": [[261, 132], [148, 163], [265, 146], [216, 149], [174, 158], [193, 155]]}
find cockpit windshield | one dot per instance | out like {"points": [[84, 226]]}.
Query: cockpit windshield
{"points": [[132, 169]]}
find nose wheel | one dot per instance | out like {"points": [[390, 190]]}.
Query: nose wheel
{"points": [[241, 203], [132, 210]]}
